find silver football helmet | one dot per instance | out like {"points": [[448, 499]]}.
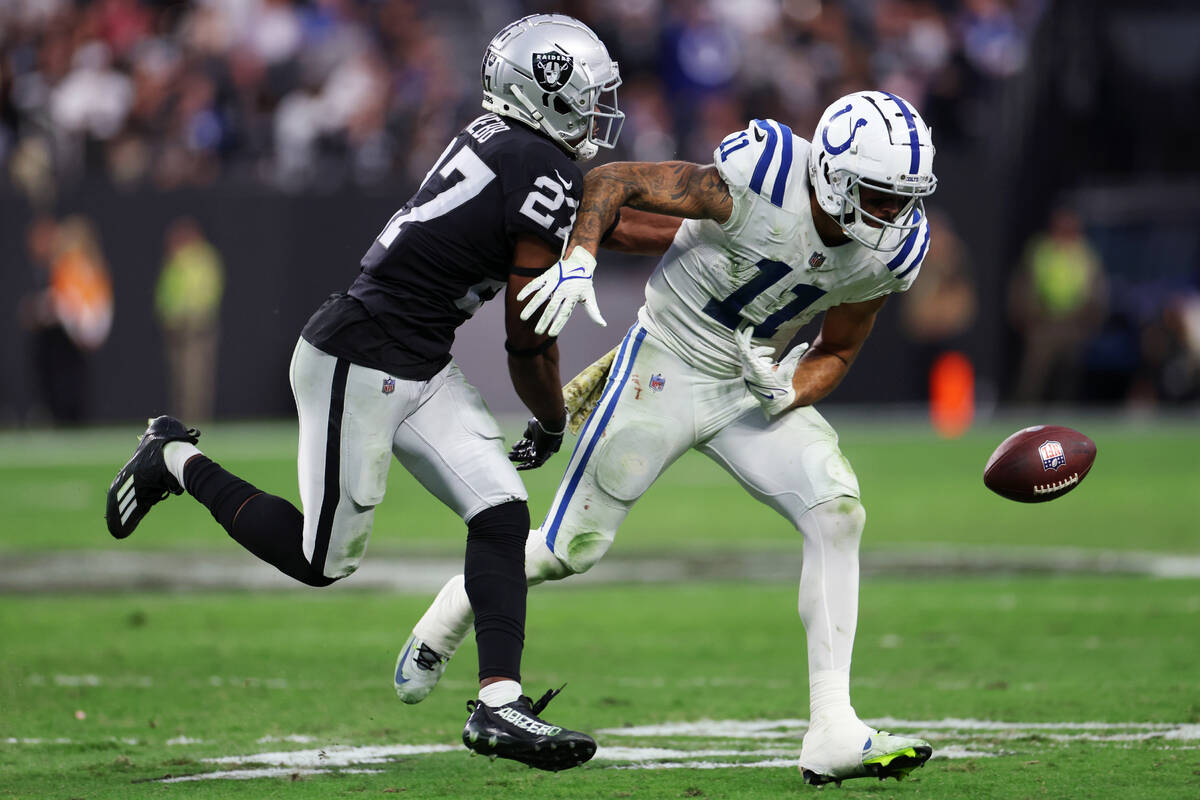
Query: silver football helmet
{"points": [[552, 73], [877, 140]]}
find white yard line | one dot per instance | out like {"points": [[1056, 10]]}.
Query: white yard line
{"points": [[759, 744], [268, 772], [718, 744]]}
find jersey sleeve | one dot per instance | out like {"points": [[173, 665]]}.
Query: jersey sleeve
{"points": [[542, 189], [905, 263], [757, 162]]}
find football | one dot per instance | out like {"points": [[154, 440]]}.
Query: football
{"points": [[1039, 463]]}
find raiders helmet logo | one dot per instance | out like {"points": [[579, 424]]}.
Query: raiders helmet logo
{"points": [[552, 70]]}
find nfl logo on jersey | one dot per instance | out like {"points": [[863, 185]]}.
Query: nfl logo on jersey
{"points": [[389, 385], [1052, 455], [816, 260], [657, 382]]}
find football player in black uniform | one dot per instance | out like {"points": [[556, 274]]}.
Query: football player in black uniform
{"points": [[373, 376]]}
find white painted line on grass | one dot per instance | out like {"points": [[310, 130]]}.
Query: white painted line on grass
{"points": [[337, 755], [719, 744], [268, 772], [664, 753], [773, 762]]}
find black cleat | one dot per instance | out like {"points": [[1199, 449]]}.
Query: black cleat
{"points": [[514, 731], [144, 480]]}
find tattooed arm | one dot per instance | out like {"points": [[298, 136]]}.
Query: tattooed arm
{"points": [[675, 188], [642, 233]]}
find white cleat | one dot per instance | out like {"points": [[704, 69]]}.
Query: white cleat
{"points": [[832, 754], [418, 670]]}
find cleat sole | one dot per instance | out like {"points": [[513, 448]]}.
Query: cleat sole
{"points": [[898, 765]]}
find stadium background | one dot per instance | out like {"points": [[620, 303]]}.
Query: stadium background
{"points": [[1046, 650], [290, 131]]}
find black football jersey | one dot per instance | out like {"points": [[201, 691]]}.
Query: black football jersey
{"points": [[450, 248]]}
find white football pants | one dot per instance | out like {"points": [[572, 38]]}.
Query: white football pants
{"points": [[354, 419], [654, 408]]}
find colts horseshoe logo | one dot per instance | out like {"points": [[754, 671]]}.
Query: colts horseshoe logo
{"points": [[833, 150]]}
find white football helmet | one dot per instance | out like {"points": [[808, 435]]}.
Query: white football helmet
{"points": [[877, 140], [552, 73]]}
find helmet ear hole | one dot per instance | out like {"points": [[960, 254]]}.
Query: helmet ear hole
{"points": [[561, 106]]}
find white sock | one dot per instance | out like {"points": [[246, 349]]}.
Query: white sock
{"points": [[176, 455], [829, 696], [500, 693], [448, 621]]}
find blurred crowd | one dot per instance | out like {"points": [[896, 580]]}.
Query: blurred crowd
{"points": [[305, 94], [319, 96]]}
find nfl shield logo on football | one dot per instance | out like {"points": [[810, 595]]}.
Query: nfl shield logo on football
{"points": [[657, 382], [389, 385], [816, 260], [1052, 455]]}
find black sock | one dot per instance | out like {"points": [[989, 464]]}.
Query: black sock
{"points": [[496, 586], [268, 526]]}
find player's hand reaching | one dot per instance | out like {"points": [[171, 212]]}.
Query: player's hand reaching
{"points": [[771, 383], [562, 286], [536, 447]]}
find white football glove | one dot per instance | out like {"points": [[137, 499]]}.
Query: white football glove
{"points": [[562, 286], [771, 383]]}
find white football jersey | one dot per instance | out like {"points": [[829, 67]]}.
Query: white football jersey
{"points": [[765, 266]]}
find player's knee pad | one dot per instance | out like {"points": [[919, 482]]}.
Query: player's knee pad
{"points": [[838, 522], [584, 550], [366, 460], [629, 461]]}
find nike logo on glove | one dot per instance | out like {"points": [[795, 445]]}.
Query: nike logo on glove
{"points": [[578, 270]]}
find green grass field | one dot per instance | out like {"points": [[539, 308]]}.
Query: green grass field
{"points": [[918, 490], [1075, 686]]}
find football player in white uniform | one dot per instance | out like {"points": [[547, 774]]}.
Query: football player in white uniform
{"points": [[776, 231]]}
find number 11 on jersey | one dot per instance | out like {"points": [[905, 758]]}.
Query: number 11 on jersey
{"points": [[728, 311]]}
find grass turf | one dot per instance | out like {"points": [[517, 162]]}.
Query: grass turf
{"points": [[166, 681], [918, 490]]}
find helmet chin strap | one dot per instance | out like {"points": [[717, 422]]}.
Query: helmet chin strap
{"points": [[582, 151]]}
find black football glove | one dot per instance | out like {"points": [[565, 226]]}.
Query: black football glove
{"points": [[536, 447]]}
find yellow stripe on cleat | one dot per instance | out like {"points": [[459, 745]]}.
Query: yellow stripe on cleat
{"points": [[888, 758]]}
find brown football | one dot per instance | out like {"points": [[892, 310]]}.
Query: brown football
{"points": [[1039, 463]]}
